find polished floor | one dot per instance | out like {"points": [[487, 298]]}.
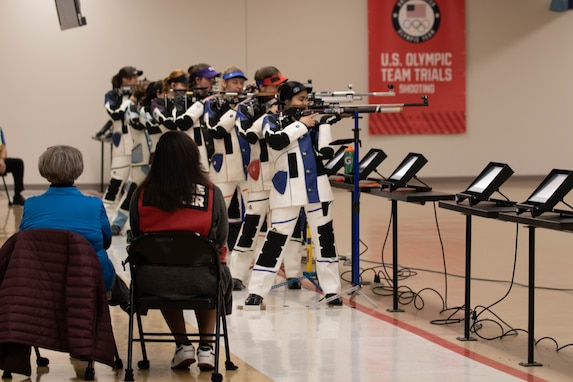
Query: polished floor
{"points": [[295, 339]]}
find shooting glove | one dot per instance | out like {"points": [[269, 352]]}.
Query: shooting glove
{"points": [[330, 119]]}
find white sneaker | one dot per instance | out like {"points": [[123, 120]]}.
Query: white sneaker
{"points": [[183, 357], [206, 357]]}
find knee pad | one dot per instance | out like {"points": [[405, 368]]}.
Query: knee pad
{"points": [[326, 240], [234, 210], [234, 229], [325, 206], [299, 227], [125, 205], [249, 231], [112, 189], [272, 249], [297, 232], [264, 227]]}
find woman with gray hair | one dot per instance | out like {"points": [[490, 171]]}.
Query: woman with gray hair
{"points": [[64, 207]]}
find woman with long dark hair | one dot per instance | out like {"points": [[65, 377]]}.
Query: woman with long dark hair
{"points": [[177, 195]]}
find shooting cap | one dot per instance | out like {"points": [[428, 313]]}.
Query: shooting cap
{"points": [[179, 79], [275, 79], [289, 89], [208, 72], [234, 74], [129, 71]]}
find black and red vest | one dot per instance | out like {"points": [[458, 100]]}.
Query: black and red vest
{"points": [[194, 216]]}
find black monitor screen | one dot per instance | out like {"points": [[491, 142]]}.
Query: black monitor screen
{"points": [[545, 192], [334, 164], [366, 161], [481, 183], [370, 162], [400, 172]]}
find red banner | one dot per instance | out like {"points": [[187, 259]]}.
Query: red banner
{"points": [[419, 47]]}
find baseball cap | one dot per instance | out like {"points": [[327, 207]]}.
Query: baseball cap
{"points": [[129, 71], [291, 88], [275, 79], [234, 74], [208, 72]]}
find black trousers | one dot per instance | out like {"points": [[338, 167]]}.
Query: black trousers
{"points": [[16, 167]]}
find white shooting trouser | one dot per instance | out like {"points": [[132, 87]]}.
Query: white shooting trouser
{"points": [[228, 190], [244, 252], [120, 162], [283, 221]]}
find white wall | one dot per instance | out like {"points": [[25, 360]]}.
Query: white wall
{"points": [[519, 64]]}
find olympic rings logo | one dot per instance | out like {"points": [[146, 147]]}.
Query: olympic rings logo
{"points": [[416, 21], [418, 25]]}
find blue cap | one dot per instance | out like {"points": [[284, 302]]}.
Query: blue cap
{"points": [[235, 74]]}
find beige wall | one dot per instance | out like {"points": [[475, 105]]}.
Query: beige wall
{"points": [[519, 71]]}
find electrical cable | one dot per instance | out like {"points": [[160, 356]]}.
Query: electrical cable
{"points": [[512, 330], [407, 296]]}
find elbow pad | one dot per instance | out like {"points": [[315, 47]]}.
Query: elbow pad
{"points": [[251, 137], [168, 123], [116, 115], [278, 141], [184, 122], [218, 132], [327, 152]]}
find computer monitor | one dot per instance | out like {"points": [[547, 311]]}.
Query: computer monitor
{"points": [[405, 171], [486, 183], [550, 191], [70, 14], [337, 161], [370, 162]]}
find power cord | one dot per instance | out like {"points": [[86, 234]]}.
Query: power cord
{"points": [[406, 296]]}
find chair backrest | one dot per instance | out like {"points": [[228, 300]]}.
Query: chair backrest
{"points": [[173, 249], [174, 265]]}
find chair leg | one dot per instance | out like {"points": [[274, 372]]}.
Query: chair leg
{"points": [[129, 368], [6, 189], [90, 373], [118, 362], [229, 365], [40, 361], [216, 376], [144, 363]]}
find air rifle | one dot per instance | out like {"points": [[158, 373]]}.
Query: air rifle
{"points": [[374, 108], [344, 96]]}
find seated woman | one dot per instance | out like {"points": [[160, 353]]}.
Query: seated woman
{"points": [[177, 195], [14, 166], [64, 207]]}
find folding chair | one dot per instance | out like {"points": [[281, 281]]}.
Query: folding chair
{"points": [[200, 258], [6, 190], [49, 277]]}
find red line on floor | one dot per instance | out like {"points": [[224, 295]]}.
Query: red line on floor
{"points": [[446, 344]]}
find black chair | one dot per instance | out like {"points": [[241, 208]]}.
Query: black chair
{"points": [[6, 190], [200, 258]]}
